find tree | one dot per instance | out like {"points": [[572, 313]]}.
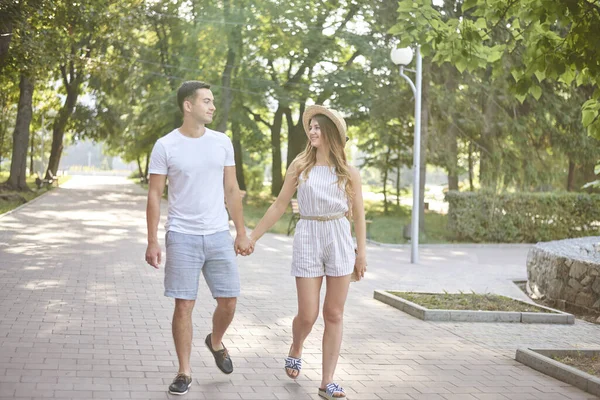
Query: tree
{"points": [[9, 15], [87, 29], [8, 108], [24, 58], [548, 40], [18, 166], [492, 45], [297, 46]]}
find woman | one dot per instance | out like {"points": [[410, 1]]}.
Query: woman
{"points": [[329, 190]]}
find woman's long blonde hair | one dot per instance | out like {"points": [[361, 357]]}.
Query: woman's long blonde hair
{"points": [[332, 138]]}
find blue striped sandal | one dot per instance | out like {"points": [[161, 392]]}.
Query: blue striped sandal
{"points": [[332, 391], [293, 364]]}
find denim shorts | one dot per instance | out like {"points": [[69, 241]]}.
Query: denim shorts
{"points": [[187, 255]]}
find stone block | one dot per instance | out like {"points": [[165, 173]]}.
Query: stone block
{"points": [[578, 269], [570, 294], [568, 263], [544, 318], [574, 283], [555, 288], [485, 316], [587, 280], [585, 299], [596, 285], [562, 268]]}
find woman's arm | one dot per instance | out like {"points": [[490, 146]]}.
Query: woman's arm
{"points": [[278, 207], [360, 226]]}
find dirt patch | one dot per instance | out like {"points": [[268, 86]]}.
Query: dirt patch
{"points": [[585, 363], [468, 301]]}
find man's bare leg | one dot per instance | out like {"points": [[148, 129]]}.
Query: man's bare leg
{"points": [[222, 318], [183, 333]]}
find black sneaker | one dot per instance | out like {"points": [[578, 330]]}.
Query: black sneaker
{"points": [[181, 384], [221, 357]]}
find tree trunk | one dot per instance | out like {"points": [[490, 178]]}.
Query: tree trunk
{"points": [[571, 176], [18, 165], [452, 159], [425, 108], [139, 164], [238, 154], [488, 170], [60, 123], [296, 135], [385, 180], [3, 128], [277, 182], [31, 154], [146, 168], [233, 37], [398, 187], [2, 133], [6, 32], [471, 174]]}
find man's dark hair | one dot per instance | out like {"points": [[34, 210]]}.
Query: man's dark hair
{"points": [[187, 91]]}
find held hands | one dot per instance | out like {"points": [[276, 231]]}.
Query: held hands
{"points": [[153, 254], [244, 245]]}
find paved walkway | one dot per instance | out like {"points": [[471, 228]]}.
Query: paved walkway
{"points": [[82, 316]]}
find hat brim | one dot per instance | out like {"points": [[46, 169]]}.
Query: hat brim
{"points": [[337, 119]]}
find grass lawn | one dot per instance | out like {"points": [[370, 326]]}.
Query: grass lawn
{"points": [[7, 205], [467, 301], [389, 228], [255, 208]]}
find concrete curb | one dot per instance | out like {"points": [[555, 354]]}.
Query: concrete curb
{"points": [[540, 360], [27, 203], [558, 317]]}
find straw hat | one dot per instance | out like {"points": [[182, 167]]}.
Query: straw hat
{"points": [[333, 115]]}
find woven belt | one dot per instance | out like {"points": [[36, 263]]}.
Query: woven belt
{"points": [[323, 217]]}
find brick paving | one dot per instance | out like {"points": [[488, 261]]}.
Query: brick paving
{"points": [[82, 316]]}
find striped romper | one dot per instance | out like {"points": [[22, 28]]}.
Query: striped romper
{"points": [[322, 247]]}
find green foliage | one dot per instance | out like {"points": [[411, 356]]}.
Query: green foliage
{"points": [[255, 209], [544, 39], [522, 217], [254, 178], [501, 105]]}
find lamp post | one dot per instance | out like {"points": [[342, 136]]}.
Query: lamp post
{"points": [[403, 57]]}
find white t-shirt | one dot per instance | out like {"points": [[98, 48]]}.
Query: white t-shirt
{"points": [[194, 169]]}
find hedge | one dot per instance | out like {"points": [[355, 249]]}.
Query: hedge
{"points": [[521, 217]]}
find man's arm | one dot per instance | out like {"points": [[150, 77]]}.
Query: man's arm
{"points": [[233, 200], [156, 188]]}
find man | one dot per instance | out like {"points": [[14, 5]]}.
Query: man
{"points": [[200, 167]]}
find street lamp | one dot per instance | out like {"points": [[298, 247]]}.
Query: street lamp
{"points": [[403, 57]]}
